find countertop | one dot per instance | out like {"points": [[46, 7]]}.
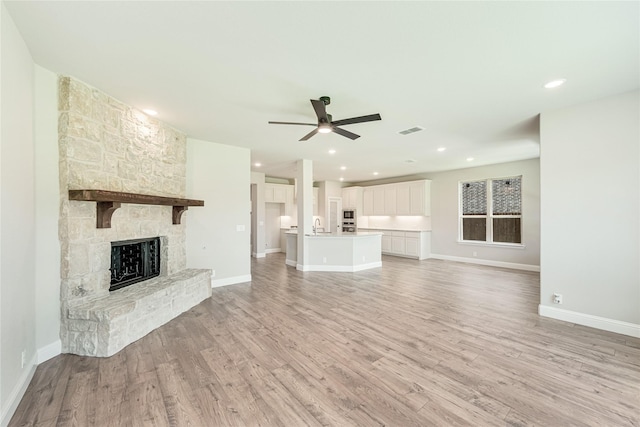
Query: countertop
{"points": [[338, 235], [394, 229]]}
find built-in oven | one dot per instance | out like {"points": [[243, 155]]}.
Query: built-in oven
{"points": [[349, 224]]}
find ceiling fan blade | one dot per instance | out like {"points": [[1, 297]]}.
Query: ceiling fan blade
{"points": [[346, 133], [309, 135], [321, 110], [369, 118], [293, 123]]}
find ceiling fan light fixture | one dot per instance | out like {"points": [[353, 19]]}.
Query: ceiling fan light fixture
{"points": [[324, 128]]}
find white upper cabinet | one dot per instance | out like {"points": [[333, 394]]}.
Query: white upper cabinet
{"points": [[352, 198], [403, 198], [403, 206], [277, 193], [420, 198], [378, 200], [391, 199], [367, 201]]}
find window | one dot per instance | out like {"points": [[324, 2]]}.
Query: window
{"points": [[491, 210]]}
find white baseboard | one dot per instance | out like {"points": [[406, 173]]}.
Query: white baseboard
{"points": [[10, 404], [339, 268], [272, 250], [230, 281], [515, 266], [291, 263], [49, 351], [258, 254], [590, 320]]}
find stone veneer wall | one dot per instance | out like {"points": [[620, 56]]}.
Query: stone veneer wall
{"points": [[107, 145]]}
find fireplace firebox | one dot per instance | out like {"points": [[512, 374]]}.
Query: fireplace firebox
{"points": [[133, 261]]}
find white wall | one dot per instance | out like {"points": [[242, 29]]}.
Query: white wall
{"points": [[218, 234], [590, 170], [47, 215], [17, 217], [444, 215]]}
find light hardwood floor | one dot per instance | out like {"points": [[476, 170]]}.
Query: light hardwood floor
{"points": [[415, 343]]}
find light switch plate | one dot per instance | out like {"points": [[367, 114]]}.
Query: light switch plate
{"points": [[239, 227]]}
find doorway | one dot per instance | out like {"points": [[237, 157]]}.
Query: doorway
{"points": [[334, 214]]}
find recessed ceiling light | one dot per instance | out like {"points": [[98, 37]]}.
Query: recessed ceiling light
{"points": [[375, 173], [332, 151], [469, 159], [555, 83], [343, 168], [150, 112], [441, 149], [341, 179], [257, 164]]}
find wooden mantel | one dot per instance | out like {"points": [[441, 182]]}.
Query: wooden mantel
{"points": [[109, 201]]}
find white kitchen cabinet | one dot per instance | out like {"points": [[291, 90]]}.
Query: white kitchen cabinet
{"points": [[386, 244], [420, 198], [409, 244], [412, 244], [352, 198], [398, 244], [277, 193], [403, 199], [390, 199], [367, 201], [378, 200], [289, 201]]}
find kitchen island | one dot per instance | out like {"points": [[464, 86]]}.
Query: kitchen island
{"points": [[342, 252]]}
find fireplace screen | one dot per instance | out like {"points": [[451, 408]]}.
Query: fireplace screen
{"points": [[133, 261]]}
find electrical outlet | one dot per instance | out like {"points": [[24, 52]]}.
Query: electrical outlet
{"points": [[24, 358], [557, 298], [324, 260], [475, 253]]}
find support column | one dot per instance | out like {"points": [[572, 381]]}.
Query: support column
{"points": [[304, 201]]}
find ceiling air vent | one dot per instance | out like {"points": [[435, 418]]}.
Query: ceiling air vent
{"points": [[411, 130]]}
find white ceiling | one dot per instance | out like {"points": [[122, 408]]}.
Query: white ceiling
{"points": [[470, 73]]}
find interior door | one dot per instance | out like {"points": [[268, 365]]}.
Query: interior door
{"points": [[334, 214]]}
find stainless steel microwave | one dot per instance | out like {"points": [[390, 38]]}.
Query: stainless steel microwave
{"points": [[348, 214]]}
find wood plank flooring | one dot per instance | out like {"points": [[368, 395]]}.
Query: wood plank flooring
{"points": [[415, 343]]}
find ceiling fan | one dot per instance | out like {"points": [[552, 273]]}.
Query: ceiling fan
{"points": [[326, 124]]}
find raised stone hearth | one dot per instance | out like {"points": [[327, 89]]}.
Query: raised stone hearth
{"points": [[106, 145], [104, 326]]}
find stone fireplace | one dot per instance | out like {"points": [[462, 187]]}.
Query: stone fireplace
{"points": [[107, 145]]}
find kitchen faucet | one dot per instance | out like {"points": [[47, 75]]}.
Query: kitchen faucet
{"points": [[315, 227]]}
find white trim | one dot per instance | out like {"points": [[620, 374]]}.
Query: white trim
{"points": [[590, 320], [514, 265], [492, 244], [258, 255], [272, 250], [339, 268], [49, 351], [230, 281], [291, 263], [17, 393]]}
